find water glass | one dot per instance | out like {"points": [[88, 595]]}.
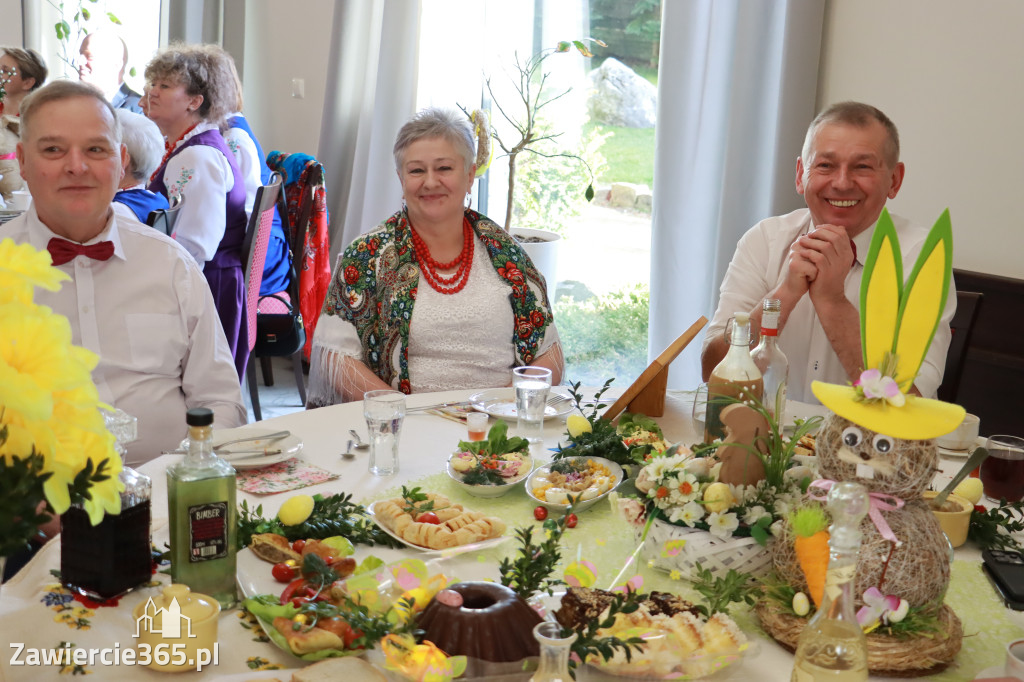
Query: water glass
{"points": [[384, 412], [1002, 473], [532, 385]]}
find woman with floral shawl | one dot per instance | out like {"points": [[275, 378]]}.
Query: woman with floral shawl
{"points": [[437, 297]]}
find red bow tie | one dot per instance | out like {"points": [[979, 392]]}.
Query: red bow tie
{"points": [[62, 251]]}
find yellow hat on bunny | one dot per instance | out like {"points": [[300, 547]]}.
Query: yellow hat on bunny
{"points": [[897, 324]]}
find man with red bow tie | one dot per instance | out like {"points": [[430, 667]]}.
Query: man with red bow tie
{"points": [[136, 298]]}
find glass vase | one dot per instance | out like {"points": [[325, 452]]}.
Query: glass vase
{"points": [[554, 653]]}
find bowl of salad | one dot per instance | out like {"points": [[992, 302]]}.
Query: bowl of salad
{"points": [[578, 481], [491, 467]]}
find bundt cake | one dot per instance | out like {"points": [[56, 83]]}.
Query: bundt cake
{"points": [[482, 620]]}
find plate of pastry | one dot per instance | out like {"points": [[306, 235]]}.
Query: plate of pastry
{"points": [[436, 524]]}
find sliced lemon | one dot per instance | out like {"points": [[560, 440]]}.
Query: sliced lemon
{"points": [[577, 424], [295, 510]]}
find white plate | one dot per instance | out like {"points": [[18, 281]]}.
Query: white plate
{"points": [[290, 446], [961, 454], [501, 402], [450, 551], [797, 410], [487, 490], [582, 506]]}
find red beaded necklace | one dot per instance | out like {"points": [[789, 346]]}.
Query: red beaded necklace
{"points": [[169, 147], [428, 266]]}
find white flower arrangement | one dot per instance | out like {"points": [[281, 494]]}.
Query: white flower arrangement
{"points": [[684, 490]]}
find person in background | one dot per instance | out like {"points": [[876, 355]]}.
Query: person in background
{"points": [[21, 71], [104, 57], [437, 297], [136, 298], [253, 164], [144, 145], [812, 259], [190, 95]]}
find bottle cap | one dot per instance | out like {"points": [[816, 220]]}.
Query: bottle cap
{"points": [[199, 416]]}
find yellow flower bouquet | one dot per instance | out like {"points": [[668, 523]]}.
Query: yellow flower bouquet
{"points": [[54, 446]]}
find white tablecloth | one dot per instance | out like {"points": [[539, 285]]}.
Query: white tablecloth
{"points": [[426, 441]]}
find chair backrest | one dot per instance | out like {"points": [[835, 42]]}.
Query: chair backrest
{"points": [[962, 324], [163, 219], [254, 248]]}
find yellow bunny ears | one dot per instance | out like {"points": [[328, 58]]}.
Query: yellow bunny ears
{"points": [[897, 324]]}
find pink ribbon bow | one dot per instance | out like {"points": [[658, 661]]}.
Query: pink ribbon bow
{"points": [[877, 502]]}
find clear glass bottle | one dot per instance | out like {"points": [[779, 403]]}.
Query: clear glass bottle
{"points": [[203, 515], [116, 555], [772, 362], [554, 653], [832, 645], [736, 376]]}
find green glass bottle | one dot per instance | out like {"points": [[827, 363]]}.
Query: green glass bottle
{"points": [[203, 515]]}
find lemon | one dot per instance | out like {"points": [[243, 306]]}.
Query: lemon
{"points": [[295, 510], [718, 497], [969, 488], [577, 424]]}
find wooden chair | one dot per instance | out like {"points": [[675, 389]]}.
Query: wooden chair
{"points": [[299, 220], [254, 254], [962, 324], [163, 219]]}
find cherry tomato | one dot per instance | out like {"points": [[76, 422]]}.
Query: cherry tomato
{"points": [[283, 573], [570, 521], [428, 517], [540, 513], [298, 545], [551, 525]]}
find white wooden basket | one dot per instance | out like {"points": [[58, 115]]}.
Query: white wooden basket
{"points": [[744, 555]]}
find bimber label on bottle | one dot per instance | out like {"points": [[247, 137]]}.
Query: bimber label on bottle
{"points": [[208, 531]]}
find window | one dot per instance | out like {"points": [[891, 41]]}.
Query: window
{"points": [[600, 284]]}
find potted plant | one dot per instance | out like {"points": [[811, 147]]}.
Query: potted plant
{"points": [[533, 136]]}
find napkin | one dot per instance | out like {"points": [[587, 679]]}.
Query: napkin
{"points": [[290, 474]]}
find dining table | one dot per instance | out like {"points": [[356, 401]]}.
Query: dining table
{"points": [[37, 613]]}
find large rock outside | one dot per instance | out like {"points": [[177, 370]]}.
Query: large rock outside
{"points": [[620, 97]]}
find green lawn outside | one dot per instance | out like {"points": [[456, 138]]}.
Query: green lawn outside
{"points": [[629, 153]]}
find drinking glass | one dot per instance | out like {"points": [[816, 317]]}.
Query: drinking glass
{"points": [[384, 412], [700, 407], [476, 424], [1002, 473], [532, 385]]}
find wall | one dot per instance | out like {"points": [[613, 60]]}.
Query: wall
{"points": [[10, 27], [286, 40], [948, 73]]}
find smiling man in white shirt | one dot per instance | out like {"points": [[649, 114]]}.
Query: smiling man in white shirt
{"points": [[136, 298], [812, 259]]}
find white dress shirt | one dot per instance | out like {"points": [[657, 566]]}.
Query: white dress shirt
{"points": [[759, 266], [203, 175], [244, 149], [149, 315]]}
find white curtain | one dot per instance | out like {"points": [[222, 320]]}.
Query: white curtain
{"points": [[735, 95], [373, 92]]}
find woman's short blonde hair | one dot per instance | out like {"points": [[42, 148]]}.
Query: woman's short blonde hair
{"points": [[30, 64], [451, 124], [202, 71]]}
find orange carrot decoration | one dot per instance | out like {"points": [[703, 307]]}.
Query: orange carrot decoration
{"points": [[811, 546]]}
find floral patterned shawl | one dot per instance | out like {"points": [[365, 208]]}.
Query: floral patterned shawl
{"points": [[374, 289]]}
